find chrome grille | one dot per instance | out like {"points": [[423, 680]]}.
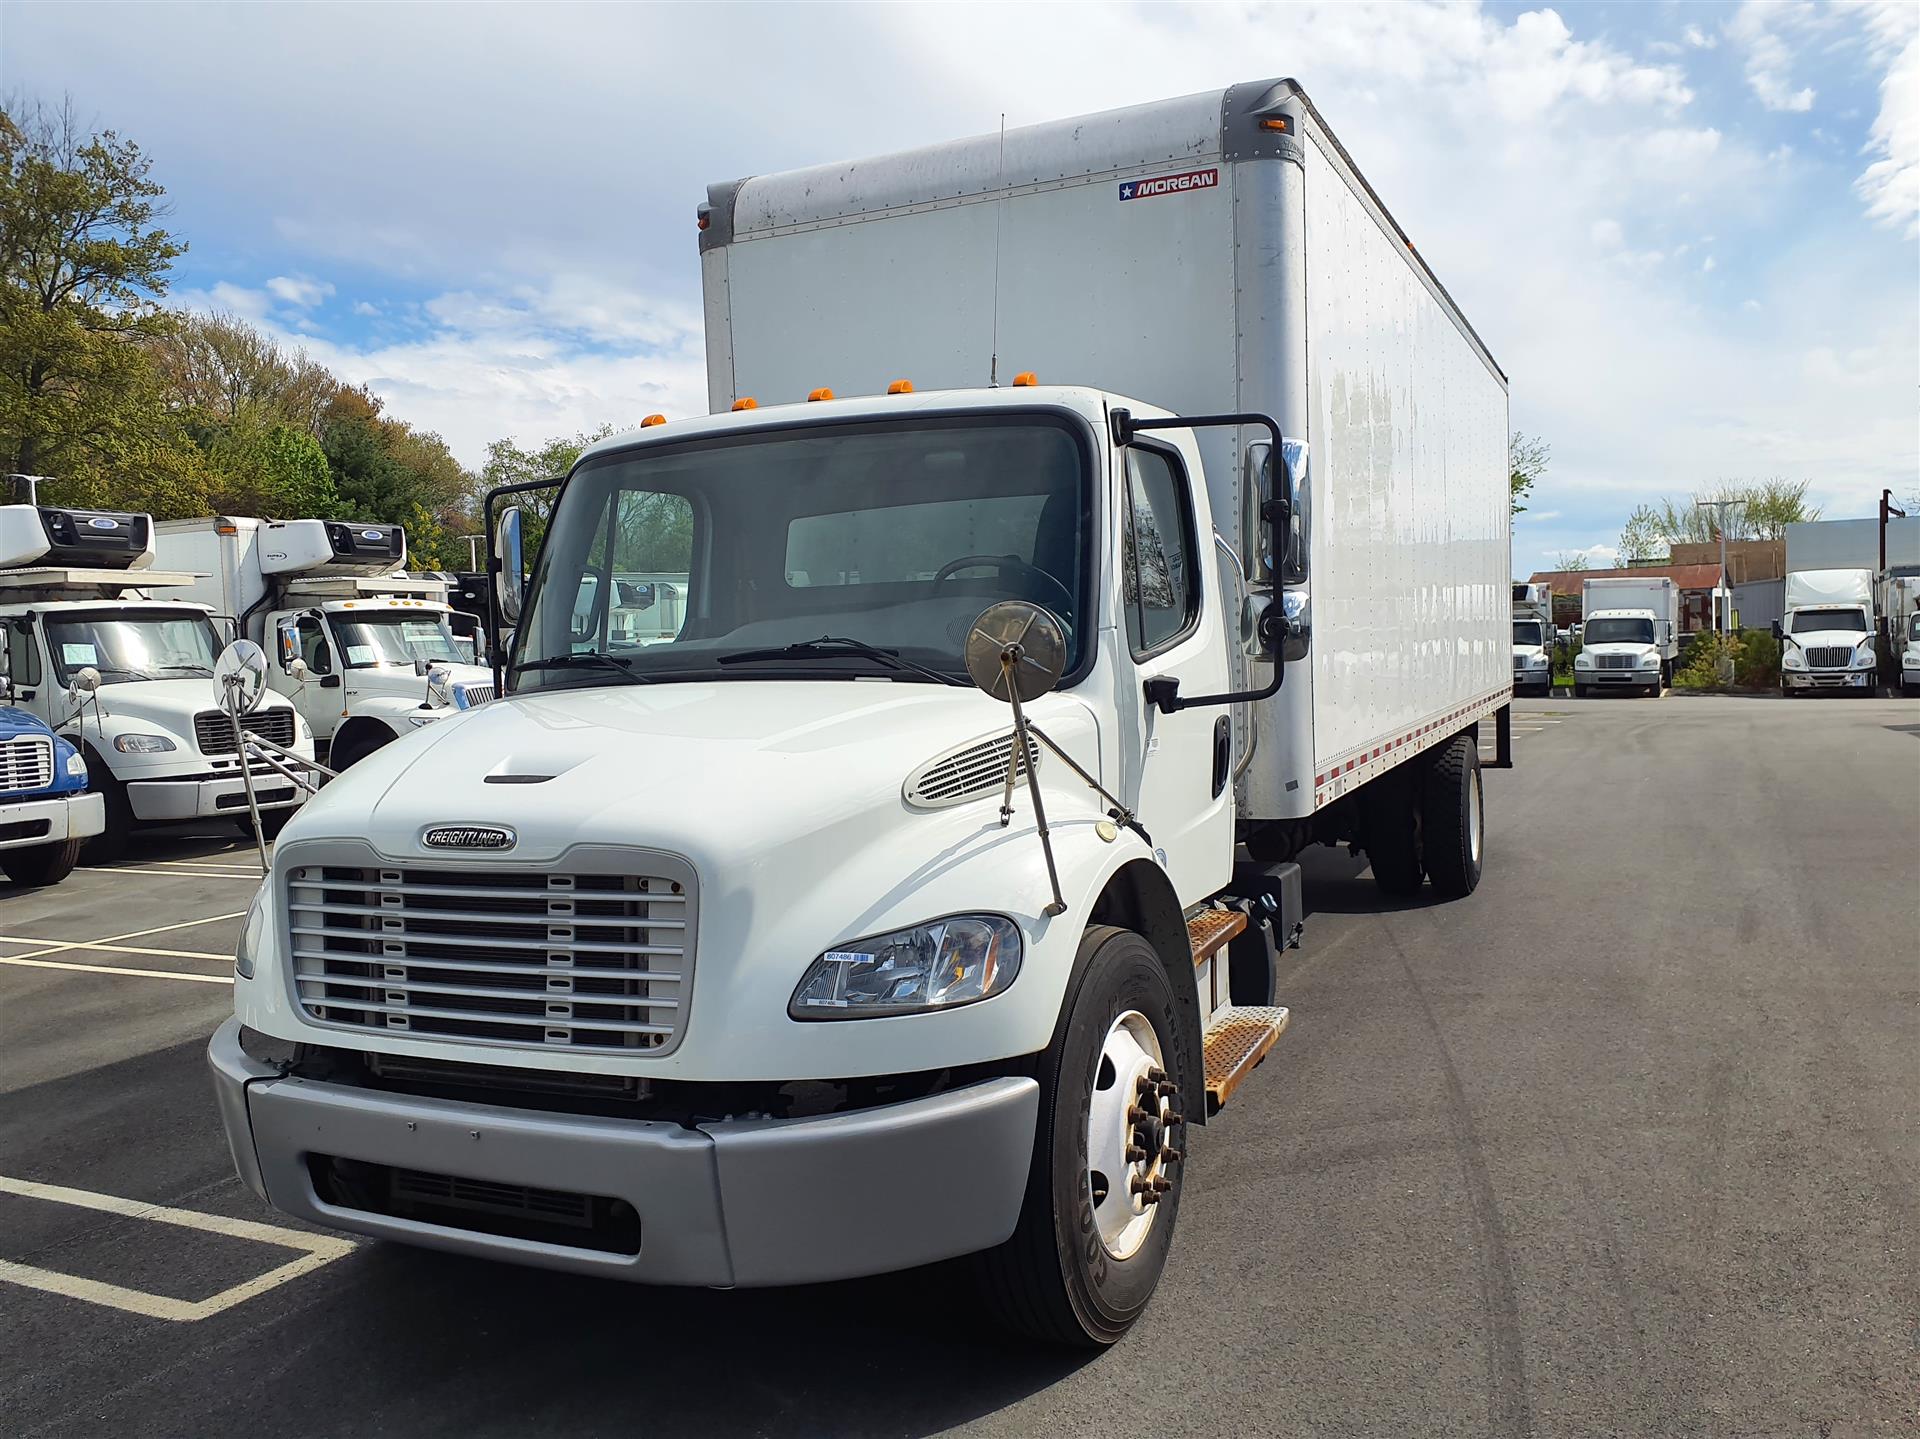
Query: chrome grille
{"points": [[495, 956], [962, 774], [26, 763], [213, 731], [1830, 657], [1616, 662], [471, 695]]}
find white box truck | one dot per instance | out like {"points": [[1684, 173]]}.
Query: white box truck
{"points": [[767, 953], [1630, 636], [1839, 550], [94, 643], [366, 655], [1827, 637], [1897, 597], [1533, 637]]}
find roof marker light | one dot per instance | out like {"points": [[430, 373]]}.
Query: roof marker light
{"points": [[823, 393], [900, 387], [746, 402], [652, 420], [1026, 377]]}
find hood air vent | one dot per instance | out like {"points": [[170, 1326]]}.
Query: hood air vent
{"points": [[965, 773]]}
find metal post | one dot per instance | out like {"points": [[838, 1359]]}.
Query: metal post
{"points": [[1009, 657]]}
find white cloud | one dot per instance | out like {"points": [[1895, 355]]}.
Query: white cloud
{"points": [[1769, 59], [1707, 265], [1890, 185], [1607, 234], [1698, 38], [361, 307], [1751, 305], [299, 291]]}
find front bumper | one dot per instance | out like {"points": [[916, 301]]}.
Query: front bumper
{"points": [[52, 821], [157, 800], [1827, 679], [734, 1202], [1635, 679]]}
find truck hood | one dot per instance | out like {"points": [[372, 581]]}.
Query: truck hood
{"points": [[169, 705], [401, 681], [1619, 647], [729, 775], [1812, 638]]}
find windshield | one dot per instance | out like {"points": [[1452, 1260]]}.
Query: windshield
{"points": [[132, 644], [895, 536], [1913, 626], [1617, 632], [1807, 622], [1526, 632], [396, 638]]}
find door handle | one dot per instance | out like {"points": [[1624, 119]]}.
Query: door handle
{"points": [[1222, 753]]}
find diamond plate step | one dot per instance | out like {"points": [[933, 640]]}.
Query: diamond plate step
{"points": [[1236, 1042], [1209, 931]]}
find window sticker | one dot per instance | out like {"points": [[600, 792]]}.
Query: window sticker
{"points": [[79, 654], [361, 654]]}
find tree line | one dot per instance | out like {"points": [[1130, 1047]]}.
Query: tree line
{"points": [[1749, 510]]}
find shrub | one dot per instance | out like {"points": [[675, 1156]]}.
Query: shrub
{"points": [[1757, 666]]}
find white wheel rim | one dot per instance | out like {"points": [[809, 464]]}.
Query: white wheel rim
{"points": [[1473, 816], [1127, 1106]]}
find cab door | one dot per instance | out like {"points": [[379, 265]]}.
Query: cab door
{"points": [[319, 699], [1178, 765]]}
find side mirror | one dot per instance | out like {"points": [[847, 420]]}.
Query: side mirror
{"points": [[509, 566], [298, 669], [6, 690], [1778, 633], [1257, 484], [286, 635]]}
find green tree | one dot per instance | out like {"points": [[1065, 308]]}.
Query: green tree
{"points": [[275, 471], [509, 463], [1642, 541], [1763, 511], [83, 266], [1571, 560], [1526, 461], [223, 370]]}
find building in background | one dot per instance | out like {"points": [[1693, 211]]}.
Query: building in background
{"points": [[1698, 584]]}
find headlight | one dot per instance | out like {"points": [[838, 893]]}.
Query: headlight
{"points": [[77, 765], [1583, 661], [1864, 656], [937, 965], [1793, 659], [1537, 661], [417, 720], [143, 744], [252, 930], [1649, 662]]}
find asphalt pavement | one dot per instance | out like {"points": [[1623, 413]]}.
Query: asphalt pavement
{"points": [[1625, 1143]]}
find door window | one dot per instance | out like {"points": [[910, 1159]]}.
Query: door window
{"points": [[313, 645], [1160, 578]]}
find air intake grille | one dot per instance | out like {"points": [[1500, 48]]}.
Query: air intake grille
{"points": [[26, 763], [1616, 662], [965, 774], [471, 695], [1830, 657], [493, 956], [213, 731]]}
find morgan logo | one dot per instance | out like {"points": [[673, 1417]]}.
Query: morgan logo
{"points": [[468, 836], [1169, 184], [101, 522]]}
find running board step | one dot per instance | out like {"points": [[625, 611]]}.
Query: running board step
{"points": [[1236, 1042], [1209, 931]]}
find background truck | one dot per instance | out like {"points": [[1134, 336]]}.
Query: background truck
{"points": [[45, 810], [1630, 636], [92, 644], [1533, 637], [1827, 637], [1897, 600], [349, 641], [780, 948]]}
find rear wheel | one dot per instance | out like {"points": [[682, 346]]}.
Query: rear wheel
{"points": [[1390, 811], [1103, 1189], [1453, 813], [42, 864]]}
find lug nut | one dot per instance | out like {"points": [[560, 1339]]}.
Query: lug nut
{"points": [[1168, 1089], [1160, 1185], [1135, 1114], [1170, 1155], [1135, 1154], [1156, 1073]]}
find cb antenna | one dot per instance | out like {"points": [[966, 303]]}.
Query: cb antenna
{"points": [[999, 222]]}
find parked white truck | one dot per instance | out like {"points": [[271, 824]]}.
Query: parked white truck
{"points": [[365, 655], [765, 954], [1897, 597], [1533, 637], [1827, 637], [1631, 634], [92, 642]]}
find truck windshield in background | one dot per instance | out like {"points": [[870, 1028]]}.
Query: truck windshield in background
{"points": [[1526, 632], [396, 638], [1913, 626], [131, 645], [1807, 622], [1617, 632], [894, 536]]}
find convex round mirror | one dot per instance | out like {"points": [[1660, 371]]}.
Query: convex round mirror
{"points": [[1016, 648], [241, 670], [85, 680]]}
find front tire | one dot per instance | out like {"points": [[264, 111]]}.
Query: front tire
{"points": [[1103, 1189], [271, 823], [111, 843], [1453, 818], [43, 863], [358, 747]]}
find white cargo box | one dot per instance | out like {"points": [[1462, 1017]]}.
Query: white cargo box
{"points": [[1215, 253]]}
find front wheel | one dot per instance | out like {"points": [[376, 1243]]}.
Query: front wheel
{"points": [[42, 864], [111, 843], [1103, 1190], [272, 821]]}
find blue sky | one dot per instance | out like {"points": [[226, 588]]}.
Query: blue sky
{"points": [[1687, 231]]}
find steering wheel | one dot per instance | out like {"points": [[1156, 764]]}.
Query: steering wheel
{"points": [[1002, 563]]}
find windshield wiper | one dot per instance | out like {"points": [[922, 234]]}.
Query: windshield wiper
{"points": [[621, 667], [191, 669], [833, 645]]}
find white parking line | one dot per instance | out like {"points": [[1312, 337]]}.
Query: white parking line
{"points": [[315, 1250], [252, 875], [124, 969]]}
